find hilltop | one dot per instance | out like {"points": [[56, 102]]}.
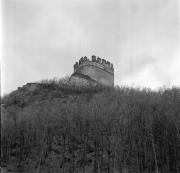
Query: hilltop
{"points": [[56, 127]]}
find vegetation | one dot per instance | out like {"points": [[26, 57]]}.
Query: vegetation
{"points": [[68, 129]]}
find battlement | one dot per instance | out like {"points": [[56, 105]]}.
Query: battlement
{"points": [[93, 72], [95, 61]]}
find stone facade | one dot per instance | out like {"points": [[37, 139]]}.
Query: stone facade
{"points": [[93, 72]]}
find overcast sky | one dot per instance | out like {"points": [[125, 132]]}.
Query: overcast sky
{"points": [[43, 39]]}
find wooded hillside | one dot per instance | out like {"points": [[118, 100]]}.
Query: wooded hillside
{"points": [[68, 129]]}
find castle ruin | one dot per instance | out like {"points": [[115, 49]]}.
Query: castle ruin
{"points": [[93, 72]]}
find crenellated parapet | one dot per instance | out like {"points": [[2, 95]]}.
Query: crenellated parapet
{"points": [[95, 61]]}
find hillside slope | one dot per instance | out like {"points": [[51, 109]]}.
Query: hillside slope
{"points": [[62, 128]]}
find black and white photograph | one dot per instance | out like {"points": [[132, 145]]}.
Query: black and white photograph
{"points": [[90, 86]]}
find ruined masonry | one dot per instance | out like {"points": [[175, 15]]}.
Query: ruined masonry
{"points": [[93, 72]]}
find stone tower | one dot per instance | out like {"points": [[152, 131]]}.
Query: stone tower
{"points": [[93, 72]]}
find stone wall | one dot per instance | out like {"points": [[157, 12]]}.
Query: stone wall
{"points": [[81, 80]]}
